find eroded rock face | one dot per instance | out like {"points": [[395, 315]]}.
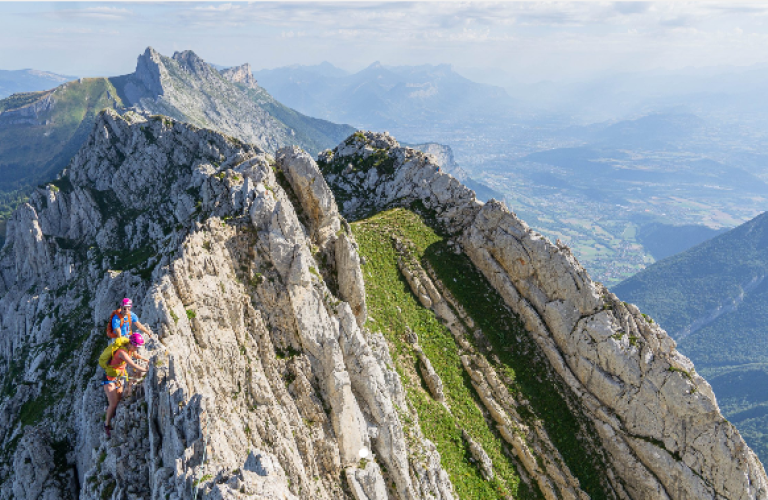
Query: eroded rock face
{"points": [[262, 381], [370, 172], [656, 418], [187, 88], [240, 74]]}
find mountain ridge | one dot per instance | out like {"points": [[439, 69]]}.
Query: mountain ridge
{"points": [[390, 93], [256, 291], [40, 132]]}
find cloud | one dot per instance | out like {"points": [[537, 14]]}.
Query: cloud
{"points": [[96, 13], [676, 22], [547, 36], [631, 7], [740, 9]]}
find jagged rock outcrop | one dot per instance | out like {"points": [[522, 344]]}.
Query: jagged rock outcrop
{"points": [[187, 88], [202, 97], [479, 455], [261, 382], [370, 172], [264, 380], [530, 444], [240, 74], [656, 418]]}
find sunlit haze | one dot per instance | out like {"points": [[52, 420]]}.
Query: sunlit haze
{"points": [[499, 43]]}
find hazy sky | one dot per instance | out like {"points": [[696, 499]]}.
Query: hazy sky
{"points": [[492, 42]]}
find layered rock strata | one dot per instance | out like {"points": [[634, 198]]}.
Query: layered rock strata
{"points": [[240, 74], [187, 88], [262, 381], [656, 418], [531, 445]]}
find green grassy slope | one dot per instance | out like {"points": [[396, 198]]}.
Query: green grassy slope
{"points": [[29, 152], [392, 307], [728, 275], [34, 153]]}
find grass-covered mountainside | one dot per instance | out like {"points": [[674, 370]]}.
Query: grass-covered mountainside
{"points": [[395, 311], [713, 299], [41, 131]]}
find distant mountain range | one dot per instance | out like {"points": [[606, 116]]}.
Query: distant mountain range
{"points": [[41, 131], [386, 97], [29, 80], [719, 91], [713, 299]]}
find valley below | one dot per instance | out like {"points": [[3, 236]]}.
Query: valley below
{"points": [[608, 200]]}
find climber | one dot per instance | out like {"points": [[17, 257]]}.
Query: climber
{"points": [[121, 321], [114, 360]]}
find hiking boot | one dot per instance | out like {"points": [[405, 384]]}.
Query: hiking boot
{"points": [[108, 430]]}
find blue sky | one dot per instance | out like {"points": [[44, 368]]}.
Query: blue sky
{"points": [[494, 42]]}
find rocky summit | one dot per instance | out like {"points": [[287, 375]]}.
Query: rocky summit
{"points": [[310, 342]]}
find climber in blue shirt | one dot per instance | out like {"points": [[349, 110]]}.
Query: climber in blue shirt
{"points": [[123, 319]]}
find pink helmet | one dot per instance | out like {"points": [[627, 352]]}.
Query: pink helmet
{"points": [[136, 339], [127, 303]]}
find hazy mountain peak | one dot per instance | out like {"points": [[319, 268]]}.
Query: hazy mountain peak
{"points": [[193, 63], [240, 74], [150, 71]]}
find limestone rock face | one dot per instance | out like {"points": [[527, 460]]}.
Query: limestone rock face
{"points": [[313, 193], [371, 172], [656, 416], [240, 74], [657, 419], [34, 465], [262, 381], [444, 157], [350, 276], [187, 88]]}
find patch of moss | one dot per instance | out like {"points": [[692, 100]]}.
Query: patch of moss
{"points": [[32, 410], [380, 159]]}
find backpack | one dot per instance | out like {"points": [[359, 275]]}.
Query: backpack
{"points": [[113, 334], [109, 352]]}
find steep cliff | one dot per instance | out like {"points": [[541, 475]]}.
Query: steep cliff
{"points": [[654, 417], [434, 348], [262, 380], [189, 89]]}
